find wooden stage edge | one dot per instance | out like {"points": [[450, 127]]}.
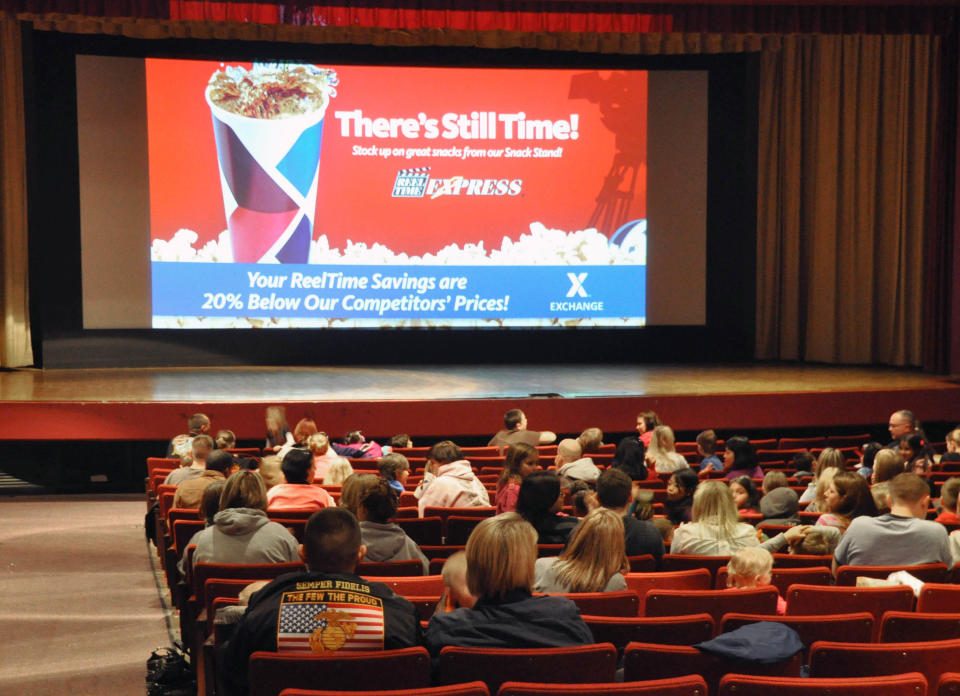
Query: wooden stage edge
{"points": [[143, 404]]}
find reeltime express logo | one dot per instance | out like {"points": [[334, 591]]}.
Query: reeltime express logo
{"points": [[416, 183]]}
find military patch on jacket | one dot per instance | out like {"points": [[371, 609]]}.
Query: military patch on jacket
{"points": [[326, 621]]}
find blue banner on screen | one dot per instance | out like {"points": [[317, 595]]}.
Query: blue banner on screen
{"points": [[343, 292]]}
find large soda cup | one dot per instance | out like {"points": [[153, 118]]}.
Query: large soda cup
{"points": [[268, 126]]}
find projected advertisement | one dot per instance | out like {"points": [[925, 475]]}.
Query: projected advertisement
{"points": [[358, 196]]}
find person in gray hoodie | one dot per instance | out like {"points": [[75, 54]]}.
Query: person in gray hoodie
{"points": [[241, 532], [385, 540]]}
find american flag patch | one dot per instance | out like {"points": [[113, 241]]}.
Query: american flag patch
{"points": [[322, 621]]}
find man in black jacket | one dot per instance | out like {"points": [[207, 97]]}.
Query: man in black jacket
{"points": [[323, 611]]}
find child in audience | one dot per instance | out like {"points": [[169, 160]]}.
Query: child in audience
{"points": [[665, 527], [828, 463], [886, 465], [520, 461], [539, 504], [456, 594], [680, 489], [773, 479], [745, 495], [953, 447], [867, 454], [847, 497], [400, 441], [383, 539], [354, 489], [752, 567], [579, 497], [662, 454], [338, 472], [804, 464], [948, 502], [779, 506], [916, 453], [819, 541], [225, 439], [591, 440], [395, 468], [707, 448], [270, 471]]}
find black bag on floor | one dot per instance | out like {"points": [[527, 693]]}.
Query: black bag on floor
{"points": [[169, 673]]}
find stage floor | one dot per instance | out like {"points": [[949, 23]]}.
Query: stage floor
{"points": [[465, 401]]}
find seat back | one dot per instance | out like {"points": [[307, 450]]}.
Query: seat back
{"points": [[426, 531], [643, 661], [790, 560], [911, 684], [183, 531], [471, 689], [459, 529], [932, 659], [683, 561], [690, 685], [912, 626], [671, 630], [412, 586], [625, 603], [812, 599], [641, 583], [390, 568], [782, 578], [270, 673], [939, 597], [927, 572], [850, 628], [581, 664], [645, 563], [760, 600], [246, 571], [949, 684]]}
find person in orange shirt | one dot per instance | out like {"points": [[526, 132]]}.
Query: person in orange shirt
{"points": [[299, 491], [948, 502]]}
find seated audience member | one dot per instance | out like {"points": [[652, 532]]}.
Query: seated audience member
{"points": [[241, 532], [828, 463], [307, 612], [278, 434], [501, 553], [953, 447], [539, 503], [591, 440], [197, 424], [323, 454], [820, 541], [646, 422], [353, 490], [594, 560], [707, 449], [900, 537], [190, 492], [846, 498], [680, 489], [200, 447], [298, 491], [456, 594], [225, 439], [270, 471], [886, 464], [580, 494], [641, 537], [400, 441], [902, 422], [745, 495], [716, 529], [773, 479], [665, 527], [805, 465], [515, 430], [948, 502], [209, 507], [302, 431], [867, 454], [452, 482], [368, 448], [630, 458], [752, 567], [661, 452], [520, 461], [395, 468], [338, 472], [916, 453], [780, 506], [571, 466], [383, 539], [739, 459]]}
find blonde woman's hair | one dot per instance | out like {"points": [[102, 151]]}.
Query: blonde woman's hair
{"points": [[829, 458], [661, 445], [244, 489], [501, 552], [954, 437], [354, 489], [750, 562], [318, 443], [826, 478], [338, 472], [713, 505], [270, 471], [594, 553]]}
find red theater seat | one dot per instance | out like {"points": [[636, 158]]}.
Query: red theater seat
{"points": [[911, 626], [807, 600], [670, 630], [928, 572], [691, 685], [911, 684], [761, 600], [939, 597], [471, 689]]}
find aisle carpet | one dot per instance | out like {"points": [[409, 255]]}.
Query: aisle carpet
{"points": [[79, 606]]}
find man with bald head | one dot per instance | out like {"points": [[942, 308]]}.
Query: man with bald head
{"points": [[901, 423], [572, 467]]}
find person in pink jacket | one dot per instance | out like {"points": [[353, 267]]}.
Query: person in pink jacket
{"points": [[450, 481]]}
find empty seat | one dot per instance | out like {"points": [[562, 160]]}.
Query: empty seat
{"points": [[761, 600], [690, 685], [939, 597], [270, 673], [426, 531], [790, 560], [910, 684], [476, 688], [911, 626], [949, 684], [850, 628], [671, 630], [927, 572], [412, 586], [459, 529], [806, 600], [641, 583], [682, 561], [584, 664], [390, 568], [625, 603]]}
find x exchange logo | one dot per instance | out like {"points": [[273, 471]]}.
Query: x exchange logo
{"points": [[576, 285]]}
